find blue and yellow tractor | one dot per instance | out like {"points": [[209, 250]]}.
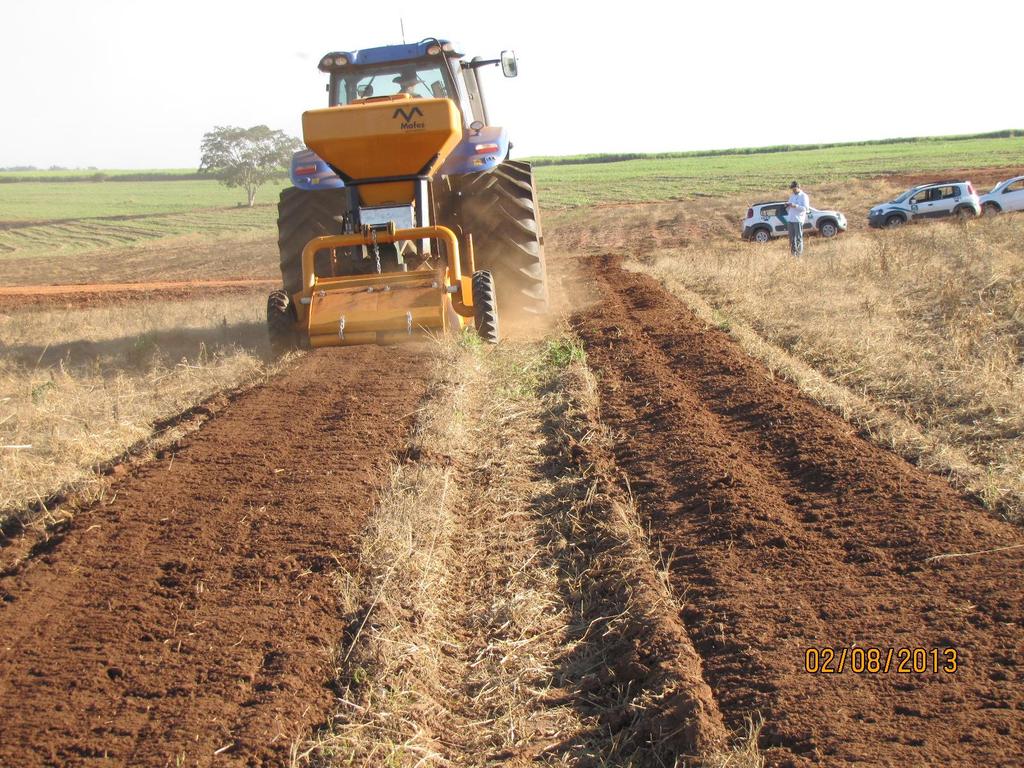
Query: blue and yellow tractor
{"points": [[406, 216]]}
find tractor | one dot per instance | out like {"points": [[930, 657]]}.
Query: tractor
{"points": [[406, 216]]}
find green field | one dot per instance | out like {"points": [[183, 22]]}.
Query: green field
{"points": [[28, 201], [677, 178], [205, 209], [88, 173]]}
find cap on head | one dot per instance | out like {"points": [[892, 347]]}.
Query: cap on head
{"points": [[795, 185], [406, 78]]}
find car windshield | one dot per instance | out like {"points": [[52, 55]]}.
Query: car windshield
{"points": [[421, 80], [1006, 183], [903, 198]]}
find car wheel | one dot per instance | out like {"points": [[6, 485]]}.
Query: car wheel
{"points": [[991, 209], [895, 221], [963, 213], [829, 229], [762, 236]]}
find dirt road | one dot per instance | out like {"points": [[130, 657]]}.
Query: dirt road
{"points": [[786, 531], [195, 613]]}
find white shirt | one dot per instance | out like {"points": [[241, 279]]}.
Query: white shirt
{"points": [[797, 207]]}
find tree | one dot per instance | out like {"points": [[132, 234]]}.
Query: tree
{"points": [[246, 157]]}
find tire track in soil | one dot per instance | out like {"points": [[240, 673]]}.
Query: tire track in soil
{"points": [[198, 609], [785, 529]]}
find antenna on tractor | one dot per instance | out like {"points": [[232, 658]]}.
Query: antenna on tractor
{"points": [[401, 22]]}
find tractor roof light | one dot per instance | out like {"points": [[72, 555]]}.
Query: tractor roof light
{"points": [[331, 60], [448, 47], [433, 50]]}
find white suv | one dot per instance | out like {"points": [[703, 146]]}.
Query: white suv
{"points": [[1005, 196], [928, 201], [766, 221]]}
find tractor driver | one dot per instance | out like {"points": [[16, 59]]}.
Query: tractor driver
{"points": [[408, 81]]}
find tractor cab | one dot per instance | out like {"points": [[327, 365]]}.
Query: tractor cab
{"points": [[428, 69], [408, 74]]}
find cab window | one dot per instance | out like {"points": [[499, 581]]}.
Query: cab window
{"points": [[1016, 186], [420, 81]]}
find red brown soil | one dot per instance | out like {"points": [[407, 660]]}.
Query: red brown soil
{"points": [[983, 179], [785, 530], [76, 296], [198, 609]]}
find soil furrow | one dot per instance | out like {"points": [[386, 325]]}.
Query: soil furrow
{"points": [[196, 610], [509, 612], [786, 530]]}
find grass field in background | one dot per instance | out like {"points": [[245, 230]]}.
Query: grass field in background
{"points": [[649, 180], [86, 199], [171, 210], [103, 240], [86, 174]]}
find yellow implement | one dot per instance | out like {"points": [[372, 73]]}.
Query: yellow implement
{"points": [[388, 307]]}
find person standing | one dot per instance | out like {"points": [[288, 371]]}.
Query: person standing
{"points": [[796, 216]]}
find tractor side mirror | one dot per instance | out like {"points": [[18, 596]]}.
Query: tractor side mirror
{"points": [[509, 66]]}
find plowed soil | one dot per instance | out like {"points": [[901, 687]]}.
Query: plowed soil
{"points": [[195, 613], [193, 617], [784, 530]]}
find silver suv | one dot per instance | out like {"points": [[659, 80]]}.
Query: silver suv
{"points": [[928, 201]]}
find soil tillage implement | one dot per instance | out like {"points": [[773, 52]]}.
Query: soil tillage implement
{"points": [[406, 216]]}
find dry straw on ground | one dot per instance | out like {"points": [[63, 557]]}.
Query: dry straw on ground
{"points": [[80, 386]]}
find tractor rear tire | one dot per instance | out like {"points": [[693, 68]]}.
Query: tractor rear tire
{"points": [[485, 307], [281, 321], [301, 216], [500, 211]]}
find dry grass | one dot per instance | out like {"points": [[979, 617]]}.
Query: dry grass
{"points": [[456, 617], [915, 335], [79, 387]]}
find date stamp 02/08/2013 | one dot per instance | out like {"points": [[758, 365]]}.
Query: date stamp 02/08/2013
{"points": [[866, 660]]}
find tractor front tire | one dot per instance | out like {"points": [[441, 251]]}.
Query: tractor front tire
{"points": [[281, 321], [499, 209], [301, 216], [485, 307]]}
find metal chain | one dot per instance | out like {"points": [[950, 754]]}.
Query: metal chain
{"points": [[376, 249]]}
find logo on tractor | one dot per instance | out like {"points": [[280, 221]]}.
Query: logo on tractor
{"points": [[408, 124]]}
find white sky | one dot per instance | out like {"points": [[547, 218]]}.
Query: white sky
{"points": [[117, 84]]}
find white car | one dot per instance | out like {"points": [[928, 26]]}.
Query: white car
{"points": [[766, 221], [1005, 196], [928, 201]]}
